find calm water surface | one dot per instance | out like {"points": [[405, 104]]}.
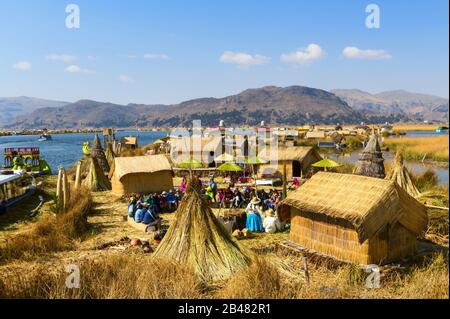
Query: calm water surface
{"points": [[65, 149]]}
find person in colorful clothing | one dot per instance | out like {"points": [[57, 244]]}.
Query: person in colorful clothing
{"points": [[254, 220]]}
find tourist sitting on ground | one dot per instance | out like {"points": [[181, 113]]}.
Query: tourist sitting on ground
{"points": [[131, 206], [139, 214], [254, 220], [271, 222], [172, 200], [162, 200], [151, 219]]}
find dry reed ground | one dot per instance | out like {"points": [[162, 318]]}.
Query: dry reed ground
{"points": [[111, 272]]}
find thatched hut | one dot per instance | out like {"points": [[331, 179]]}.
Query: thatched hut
{"points": [[371, 162], [141, 174], [199, 240], [400, 175], [354, 218], [298, 161]]}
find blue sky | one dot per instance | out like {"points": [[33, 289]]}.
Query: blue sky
{"points": [[169, 51]]}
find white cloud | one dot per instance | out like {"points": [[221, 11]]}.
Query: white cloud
{"points": [[61, 57], [156, 56], [310, 53], [76, 69], [125, 79], [22, 66], [243, 59], [356, 53]]}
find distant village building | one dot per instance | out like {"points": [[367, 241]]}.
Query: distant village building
{"points": [[352, 218], [298, 161], [315, 135]]}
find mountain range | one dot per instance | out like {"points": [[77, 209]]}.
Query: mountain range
{"points": [[408, 105], [293, 105]]}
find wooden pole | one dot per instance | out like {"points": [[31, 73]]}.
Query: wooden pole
{"points": [[59, 190], [66, 190], [78, 177], [284, 181]]}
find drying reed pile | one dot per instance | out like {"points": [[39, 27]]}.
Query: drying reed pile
{"points": [[198, 239], [399, 173], [96, 180]]}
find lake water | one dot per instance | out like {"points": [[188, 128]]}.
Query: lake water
{"points": [[425, 133], [65, 149]]}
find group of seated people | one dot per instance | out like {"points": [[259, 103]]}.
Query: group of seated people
{"points": [[259, 220], [235, 197], [145, 210]]}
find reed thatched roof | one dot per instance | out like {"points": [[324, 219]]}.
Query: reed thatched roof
{"points": [[367, 203], [295, 153], [371, 162], [198, 239], [140, 164]]}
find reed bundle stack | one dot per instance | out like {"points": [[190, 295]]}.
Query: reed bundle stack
{"points": [[371, 162], [198, 239]]}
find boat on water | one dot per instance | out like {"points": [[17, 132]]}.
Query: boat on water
{"points": [[45, 137], [442, 129], [15, 186], [25, 158]]}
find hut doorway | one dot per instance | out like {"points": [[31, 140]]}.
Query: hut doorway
{"points": [[296, 169], [211, 162]]}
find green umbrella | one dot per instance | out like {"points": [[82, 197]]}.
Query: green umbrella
{"points": [[230, 167], [254, 161], [326, 163], [190, 164]]}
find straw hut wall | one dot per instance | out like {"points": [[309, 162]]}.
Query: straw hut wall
{"points": [[97, 151], [298, 161], [400, 175], [141, 174], [198, 239], [371, 162], [353, 218]]}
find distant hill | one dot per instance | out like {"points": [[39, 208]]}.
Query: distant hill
{"points": [[276, 105], [12, 107], [293, 105], [399, 103]]}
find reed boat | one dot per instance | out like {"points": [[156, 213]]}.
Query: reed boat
{"points": [[15, 186]]}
